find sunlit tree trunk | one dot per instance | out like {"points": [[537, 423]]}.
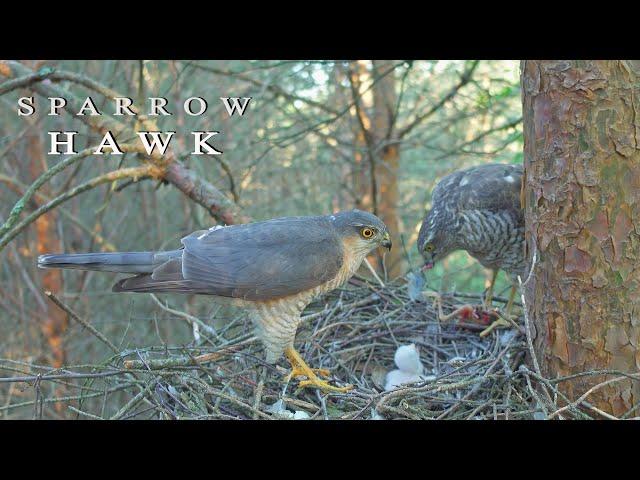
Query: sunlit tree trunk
{"points": [[582, 199], [377, 153], [387, 155], [54, 321], [360, 78]]}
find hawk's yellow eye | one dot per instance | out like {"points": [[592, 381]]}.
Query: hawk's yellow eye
{"points": [[429, 248], [366, 232]]}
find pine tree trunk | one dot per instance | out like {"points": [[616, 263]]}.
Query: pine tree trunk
{"points": [[582, 201], [361, 176], [377, 152], [388, 160]]}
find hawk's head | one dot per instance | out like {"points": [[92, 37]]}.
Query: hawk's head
{"points": [[363, 230], [436, 238]]}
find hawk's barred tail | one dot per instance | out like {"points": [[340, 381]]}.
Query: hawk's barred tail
{"points": [[123, 262]]}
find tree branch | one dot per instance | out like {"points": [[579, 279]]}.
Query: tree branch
{"points": [[20, 204], [276, 90], [464, 79], [506, 126], [24, 81], [134, 172], [203, 193]]}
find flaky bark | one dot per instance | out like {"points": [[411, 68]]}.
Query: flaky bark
{"points": [[582, 200]]}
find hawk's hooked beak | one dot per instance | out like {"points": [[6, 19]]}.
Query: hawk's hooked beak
{"points": [[386, 241]]}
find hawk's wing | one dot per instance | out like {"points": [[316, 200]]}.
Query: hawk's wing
{"points": [[256, 261], [491, 187]]}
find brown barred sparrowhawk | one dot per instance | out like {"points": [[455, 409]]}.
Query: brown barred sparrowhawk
{"points": [[274, 269], [478, 210]]}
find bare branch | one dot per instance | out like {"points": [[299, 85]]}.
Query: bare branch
{"points": [[134, 172], [20, 204], [464, 79], [24, 81], [82, 322], [205, 194], [506, 126], [275, 89]]}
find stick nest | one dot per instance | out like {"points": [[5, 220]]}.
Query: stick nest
{"points": [[353, 332]]}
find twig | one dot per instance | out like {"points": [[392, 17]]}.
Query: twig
{"points": [[191, 320], [20, 204], [86, 414], [584, 396], [373, 272], [25, 81], [135, 400], [82, 321], [134, 172]]}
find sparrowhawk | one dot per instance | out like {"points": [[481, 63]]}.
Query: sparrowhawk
{"points": [[274, 269], [478, 210]]}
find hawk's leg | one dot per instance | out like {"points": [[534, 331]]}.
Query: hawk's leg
{"points": [[503, 322], [296, 372], [300, 368], [512, 296], [489, 297]]}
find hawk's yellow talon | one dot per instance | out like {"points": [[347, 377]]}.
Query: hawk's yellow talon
{"points": [[323, 372], [299, 368], [325, 386], [298, 372]]}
